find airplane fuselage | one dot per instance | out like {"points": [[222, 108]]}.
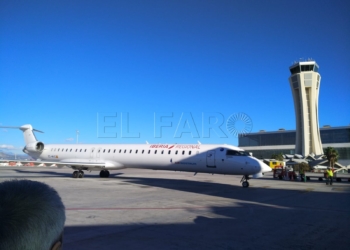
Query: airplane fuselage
{"points": [[209, 158]]}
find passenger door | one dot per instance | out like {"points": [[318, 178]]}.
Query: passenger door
{"points": [[98, 154], [211, 159], [92, 155]]}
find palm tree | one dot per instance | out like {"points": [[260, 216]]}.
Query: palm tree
{"points": [[332, 156], [278, 157]]}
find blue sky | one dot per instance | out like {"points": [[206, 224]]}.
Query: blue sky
{"points": [[88, 65]]}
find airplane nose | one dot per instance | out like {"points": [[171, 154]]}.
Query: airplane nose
{"points": [[264, 168]]}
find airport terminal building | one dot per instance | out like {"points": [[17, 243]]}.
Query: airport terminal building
{"points": [[263, 144]]}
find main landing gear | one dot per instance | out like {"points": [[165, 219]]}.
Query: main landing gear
{"points": [[104, 174], [244, 181], [78, 174]]}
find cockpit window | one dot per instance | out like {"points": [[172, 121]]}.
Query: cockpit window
{"points": [[236, 153]]}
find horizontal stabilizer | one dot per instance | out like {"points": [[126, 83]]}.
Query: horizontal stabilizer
{"points": [[23, 128]]}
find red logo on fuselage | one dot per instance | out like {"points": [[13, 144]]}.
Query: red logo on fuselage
{"points": [[197, 146]]}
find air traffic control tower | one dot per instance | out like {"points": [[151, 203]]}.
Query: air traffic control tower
{"points": [[305, 85]]}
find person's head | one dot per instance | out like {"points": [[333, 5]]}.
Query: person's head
{"points": [[32, 216]]}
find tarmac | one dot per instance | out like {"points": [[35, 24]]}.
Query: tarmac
{"points": [[147, 209]]}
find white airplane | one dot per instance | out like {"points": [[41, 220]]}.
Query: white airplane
{"points": [[198, 158]]}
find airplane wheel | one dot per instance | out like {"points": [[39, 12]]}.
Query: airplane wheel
{"points": [[245, 184], [104, 173], [75, 174], [82, 173]]}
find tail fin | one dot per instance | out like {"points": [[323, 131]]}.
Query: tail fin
{"points": [[28, 134]]}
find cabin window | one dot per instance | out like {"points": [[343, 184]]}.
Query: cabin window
{"points": [[189, 152], [169, 152], [124, 151], [66, 149], [99, 150], [130, 151], [176, 152], [114, 150], [92, 151], [136, 151], [143, 151], [76, 150], [104, 150], [120, 151], [70, 150], [155, 151], [183, 152], [58, 150], [85, 150], [162, 151], [81, 150], [149, 151]]}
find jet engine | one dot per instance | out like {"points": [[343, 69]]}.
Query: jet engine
{"points": [[37, 146]]}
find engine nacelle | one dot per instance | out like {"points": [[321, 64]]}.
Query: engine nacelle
{"points": [[37, 146]]}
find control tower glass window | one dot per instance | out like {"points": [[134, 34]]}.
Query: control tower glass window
{"points": [[295, 70], [307, 67]]}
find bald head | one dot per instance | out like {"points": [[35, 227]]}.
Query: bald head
{"points": [[32, 215]]}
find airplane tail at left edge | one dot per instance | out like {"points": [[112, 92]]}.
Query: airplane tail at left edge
{"points": [[32, 144]]}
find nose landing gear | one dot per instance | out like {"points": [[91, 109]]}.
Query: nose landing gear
{"points": [[244, 181]]}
